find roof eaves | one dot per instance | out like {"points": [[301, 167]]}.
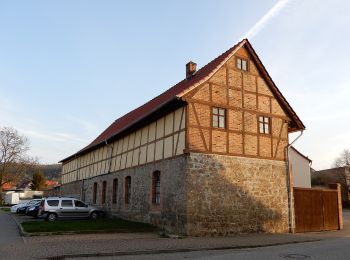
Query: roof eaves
{"points": [[280, 96], [302, 155], [92, 147]]}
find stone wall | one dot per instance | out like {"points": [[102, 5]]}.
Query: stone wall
{"points": [[170, 214], [227, 194], [201, 194], [72, 189]]}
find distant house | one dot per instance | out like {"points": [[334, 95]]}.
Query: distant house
{"points": [[334, 175], [50, 184], [300, 167], [8, 186], [26, 185]]}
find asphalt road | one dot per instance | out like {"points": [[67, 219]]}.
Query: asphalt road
{"points": [[335, 246], [329, 249]]}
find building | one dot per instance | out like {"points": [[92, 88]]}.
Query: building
{"points": [[207, 156], [300, 167], [334, 175]]}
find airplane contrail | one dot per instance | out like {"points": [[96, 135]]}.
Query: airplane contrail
{"points": [[274, 11]]}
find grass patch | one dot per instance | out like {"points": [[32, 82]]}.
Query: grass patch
{"points": [[5, 209], [114, 225]]}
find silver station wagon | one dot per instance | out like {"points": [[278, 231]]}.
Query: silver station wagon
{"points": [[65, 207]]}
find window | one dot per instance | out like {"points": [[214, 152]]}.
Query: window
{"points": [[104, 187], [264, 125], [115, 191], [127, 189], [94, 195], [242, 64], [66, 203], [52, 203], [156, 187], [79, 204], [219, 117]]}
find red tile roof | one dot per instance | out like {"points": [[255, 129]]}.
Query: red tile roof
{"points": [[8, 186], [129, 119]]}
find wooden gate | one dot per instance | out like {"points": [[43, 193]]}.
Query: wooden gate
{"points": [[316, 210]]}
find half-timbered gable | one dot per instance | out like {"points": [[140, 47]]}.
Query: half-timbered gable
{"points": [[243, 96]]}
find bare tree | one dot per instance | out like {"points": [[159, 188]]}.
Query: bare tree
{"points": [[343, 159], [14, 160]]}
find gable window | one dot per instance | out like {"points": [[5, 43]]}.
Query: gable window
{"points": [[264, 124], [219, 117], [242, 64], [115, 191], [156, 187], [127, 189], [104, 187], [94, 194]]}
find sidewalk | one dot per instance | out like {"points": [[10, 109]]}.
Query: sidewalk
{"points": [[118, 244], [135, 244], [8, 230]]}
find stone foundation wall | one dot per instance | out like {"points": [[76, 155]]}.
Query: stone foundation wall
{"points": [[201, 194], [170, 214], [72, 189], [227, 194]]}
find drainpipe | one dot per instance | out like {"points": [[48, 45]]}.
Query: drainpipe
{"points": [[290, 188]]}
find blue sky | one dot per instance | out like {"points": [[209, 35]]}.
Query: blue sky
{"points": [[70, 68]]}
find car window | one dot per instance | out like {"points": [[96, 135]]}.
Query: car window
{"points": [[67, 203], [79, 204], [52, 203]]}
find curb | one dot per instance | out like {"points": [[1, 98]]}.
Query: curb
{"points": [[20, 228], [34, 234], [180, 250]]}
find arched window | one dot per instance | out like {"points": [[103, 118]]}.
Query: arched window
{"points": [[156, 187], [104, 187], [115, 191], [94, 194], [127, 189]]}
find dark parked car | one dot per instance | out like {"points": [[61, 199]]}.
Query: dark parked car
{"points": [[23, 209], [17, 208], [33, 210]]}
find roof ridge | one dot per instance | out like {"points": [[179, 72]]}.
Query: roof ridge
{"points": [[129, 119], [223, 54]]}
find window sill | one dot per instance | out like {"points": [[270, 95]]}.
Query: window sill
{"points": [[155, 208], [267, 135]]}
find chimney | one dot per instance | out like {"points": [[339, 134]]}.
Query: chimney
{"points": [[190, 69]]}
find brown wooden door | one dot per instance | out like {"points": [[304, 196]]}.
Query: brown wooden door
{"points": [[315, 210], [307, 215], [330, 210]]}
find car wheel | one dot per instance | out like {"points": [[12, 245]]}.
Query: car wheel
{"points": [[94, 215], [51, 217]]}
